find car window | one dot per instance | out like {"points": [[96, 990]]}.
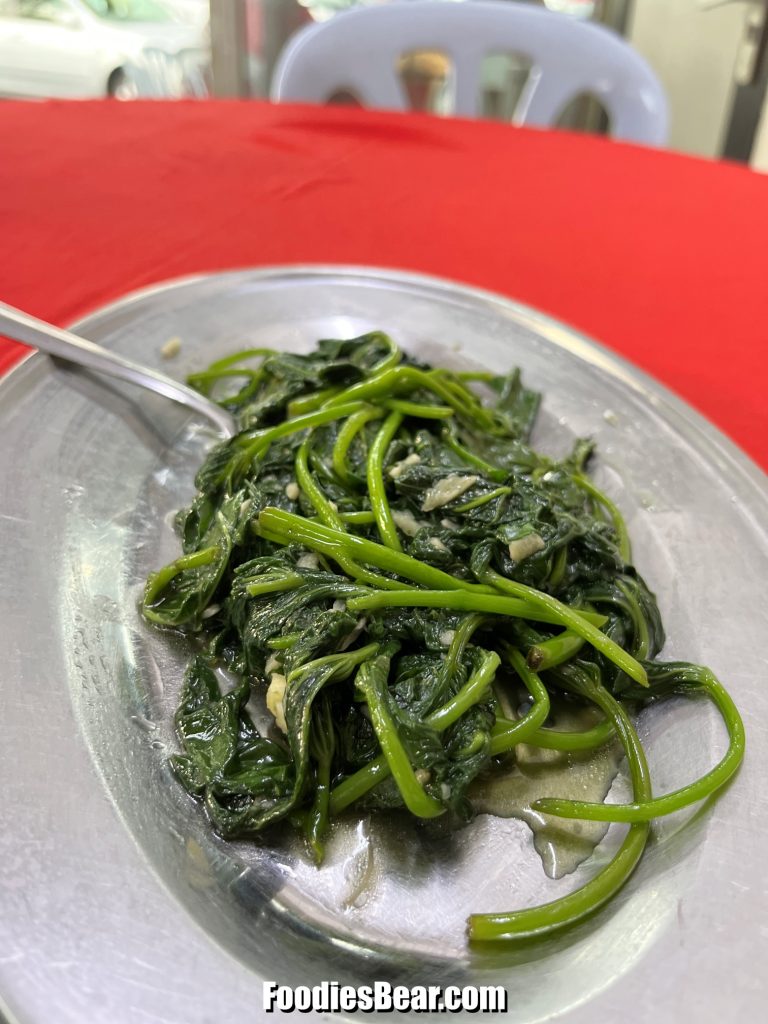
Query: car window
{"points": [[129, 10]]}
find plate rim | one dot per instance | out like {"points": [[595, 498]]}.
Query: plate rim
{"points": [[554, 330]]}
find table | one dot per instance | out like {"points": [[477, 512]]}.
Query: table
{"points": [[658, 256]]}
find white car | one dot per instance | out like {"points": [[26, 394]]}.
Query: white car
{"points": [[94, 48]]}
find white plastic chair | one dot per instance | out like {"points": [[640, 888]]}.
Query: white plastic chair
{"points": [[358, 51]]}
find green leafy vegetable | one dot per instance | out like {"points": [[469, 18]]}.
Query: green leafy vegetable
{"points": [[382, 559]]}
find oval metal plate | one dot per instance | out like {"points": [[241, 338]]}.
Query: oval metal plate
{"points": [[118, 902]]}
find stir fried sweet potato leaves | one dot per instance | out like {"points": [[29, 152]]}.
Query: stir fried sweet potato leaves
{"points": [[381, 555]]}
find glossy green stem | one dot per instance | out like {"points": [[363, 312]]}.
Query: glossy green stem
{"points": [[199, 380], [642, 639], [418, 409], [282, 643], [482, 500], [259, 443], [589, 739], [272, 584], [308, 403], [491, 472], [205, 379], [322, 745], [574, 620], [463, 395], [377, 491], [157, 581], [617, 519], [328, 514], [559, 564], [523, 925], [507, 737], [357, 785], [287, 528], [306, 481], [680, 798], [408, 378], [465, 600], [554, 651], [415, 797], [461, 637], [346, 435], [362, 518], [344, 661], [468, 695], [240, 357], [392, 358]]}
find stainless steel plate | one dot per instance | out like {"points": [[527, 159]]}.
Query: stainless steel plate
{"points": [[117, 902]]}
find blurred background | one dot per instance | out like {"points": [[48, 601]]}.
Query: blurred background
{"points": [[711, 56]]}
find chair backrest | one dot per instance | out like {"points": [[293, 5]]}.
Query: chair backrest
{"points": [[358, 52]]}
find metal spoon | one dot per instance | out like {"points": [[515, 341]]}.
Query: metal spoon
{"points": [[66, 345]]}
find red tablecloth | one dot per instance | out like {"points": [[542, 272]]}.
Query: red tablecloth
{"points": [[659, 256]]}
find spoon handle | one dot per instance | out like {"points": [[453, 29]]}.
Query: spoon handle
{"points": [[65, 345]]}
